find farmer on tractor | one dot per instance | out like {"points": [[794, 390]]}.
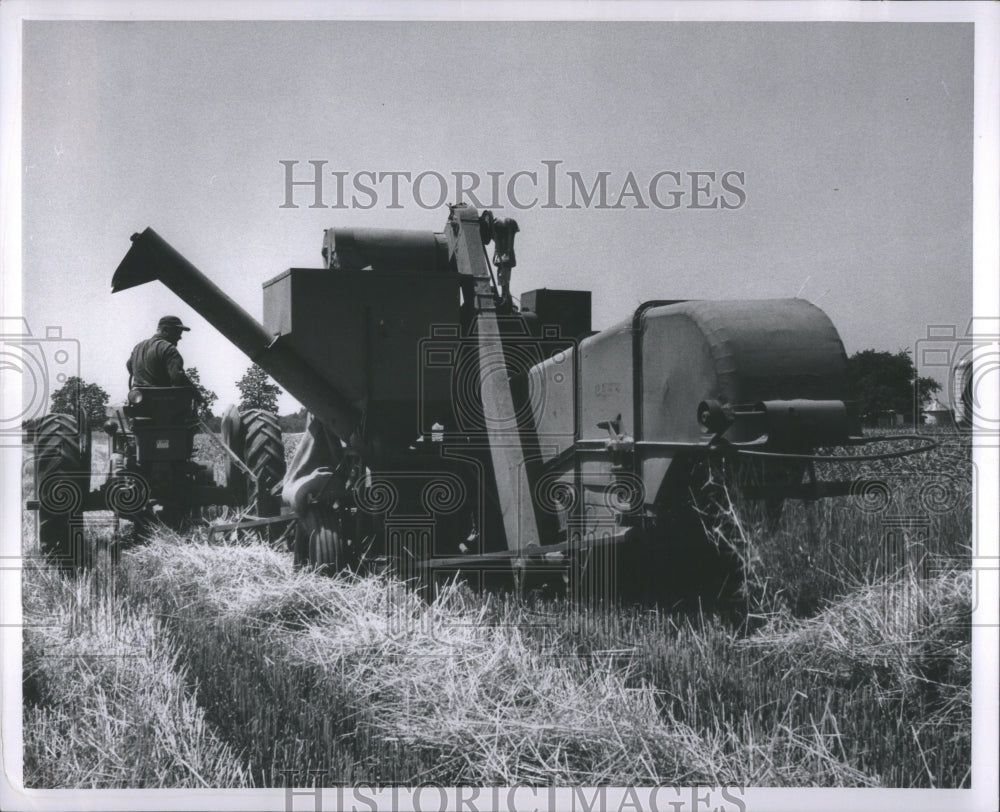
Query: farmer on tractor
{"points": [[155, 361]]}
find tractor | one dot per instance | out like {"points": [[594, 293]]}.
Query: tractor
{"points": [[150, 474]]}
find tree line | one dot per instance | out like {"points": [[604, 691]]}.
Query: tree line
{"points": [[77, 396]]}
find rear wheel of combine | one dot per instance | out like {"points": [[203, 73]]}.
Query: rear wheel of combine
{"points": [[62, 479], [300, 544], [713, 515], [326, 550], [326, 543], [695, 554]]}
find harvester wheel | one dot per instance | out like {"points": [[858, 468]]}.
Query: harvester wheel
{"points": [[327, 546], [62, 479], [694, 559], [300, 544]]}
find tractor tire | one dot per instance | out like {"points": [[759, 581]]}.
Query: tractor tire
{"points": [[254, 436], [232, 436], [62, 480], [264, 454]]}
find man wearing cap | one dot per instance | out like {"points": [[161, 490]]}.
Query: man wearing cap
{"points": [[156, 361]]}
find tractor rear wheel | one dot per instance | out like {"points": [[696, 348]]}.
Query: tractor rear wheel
{"points": [[265, 456], [62, 480], [254, 436]]}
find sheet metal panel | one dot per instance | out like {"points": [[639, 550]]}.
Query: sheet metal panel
{"points": [[361, 330]]}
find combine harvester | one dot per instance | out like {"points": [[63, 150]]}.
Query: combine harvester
{"points": [[454, 432]]}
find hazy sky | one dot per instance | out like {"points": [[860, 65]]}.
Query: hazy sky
{"points": [[855, 141]]}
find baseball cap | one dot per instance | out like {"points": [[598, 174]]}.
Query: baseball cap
{"points": [[171, 322]]}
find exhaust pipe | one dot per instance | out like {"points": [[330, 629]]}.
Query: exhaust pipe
{"points": [[151, 257]]}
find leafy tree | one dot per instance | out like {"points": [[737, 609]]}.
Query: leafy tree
{"points": [[885, 381], [257, 392], [926, 389], [77, 396], [208, 397]]}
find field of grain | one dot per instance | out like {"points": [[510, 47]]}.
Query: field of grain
{"points": [[853, 667]]}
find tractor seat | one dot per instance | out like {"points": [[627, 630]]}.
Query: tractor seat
{"points": [[163, 405]]}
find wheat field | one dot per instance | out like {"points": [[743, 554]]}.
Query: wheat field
{"points": [[185, 663]]}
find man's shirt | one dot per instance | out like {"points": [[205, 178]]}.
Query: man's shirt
{"points": [[156, 362]]}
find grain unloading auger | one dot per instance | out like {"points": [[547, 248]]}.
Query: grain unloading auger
{"points": [[477, 435]]}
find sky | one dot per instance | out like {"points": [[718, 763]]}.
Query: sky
{"points": [[854, 143]]}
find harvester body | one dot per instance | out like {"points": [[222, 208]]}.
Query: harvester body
{"points": [[473, 434]]}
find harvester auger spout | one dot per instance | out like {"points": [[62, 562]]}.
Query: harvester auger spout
{"points": [[151, 257]]}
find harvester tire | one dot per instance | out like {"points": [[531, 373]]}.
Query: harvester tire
{"points": [[62, 480], [327, 548], [300, 544], [690, 561]]}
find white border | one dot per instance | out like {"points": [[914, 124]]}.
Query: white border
{"points": [[986, 246]]}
